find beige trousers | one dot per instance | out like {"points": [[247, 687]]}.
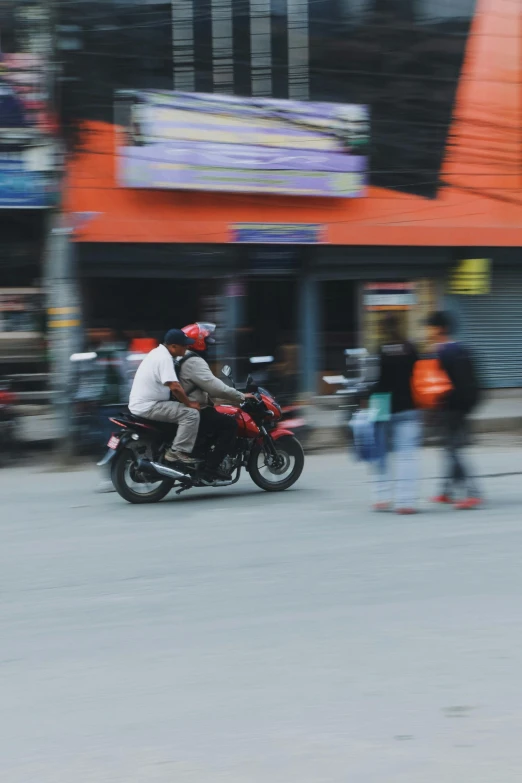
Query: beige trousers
{"points": [[187, 420]]}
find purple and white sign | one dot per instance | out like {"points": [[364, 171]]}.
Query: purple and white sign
{"points": [[193, 141]]}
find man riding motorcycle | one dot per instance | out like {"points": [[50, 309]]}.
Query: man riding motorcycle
{"points": [[201, 386], [154, 383]]}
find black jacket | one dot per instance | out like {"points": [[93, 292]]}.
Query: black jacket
{"points": [[458, 363], [396, 368]]}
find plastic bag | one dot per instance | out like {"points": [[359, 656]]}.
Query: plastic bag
{"points": [[362, 424], [381, 405]]}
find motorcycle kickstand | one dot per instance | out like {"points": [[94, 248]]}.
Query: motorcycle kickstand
{"points": [[182, 489]]}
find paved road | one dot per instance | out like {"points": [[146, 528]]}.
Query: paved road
{"points": [[246, 638]]}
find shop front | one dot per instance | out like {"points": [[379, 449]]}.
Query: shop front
{"points": [[22, 305], [487, 306], [314, 301], [350, 289], [310, 302], [143, 289], [250, 292]]}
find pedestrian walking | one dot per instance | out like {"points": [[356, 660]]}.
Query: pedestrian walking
{"points": [[455, 406], [398, 423]]}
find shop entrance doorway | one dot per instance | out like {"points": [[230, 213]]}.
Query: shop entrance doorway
{"points": [[271, 316], [340, 323], [270, 329]]}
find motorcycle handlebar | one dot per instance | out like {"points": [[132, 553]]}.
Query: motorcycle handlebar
{"points": [[257, 401]]}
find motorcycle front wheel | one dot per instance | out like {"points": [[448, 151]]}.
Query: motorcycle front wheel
{"points": [[130, 484], [283, 476]]}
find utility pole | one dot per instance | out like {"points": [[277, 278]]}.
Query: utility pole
{"points": [[63, 307], [63, 327]]}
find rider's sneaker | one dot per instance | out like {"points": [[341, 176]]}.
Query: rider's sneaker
{"points": [[180, 456]]}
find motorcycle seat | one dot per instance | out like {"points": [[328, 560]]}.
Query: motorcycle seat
{"points": [[164, 426]]}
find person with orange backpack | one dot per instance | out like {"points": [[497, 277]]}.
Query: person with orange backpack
{"points": [[452, 387]]}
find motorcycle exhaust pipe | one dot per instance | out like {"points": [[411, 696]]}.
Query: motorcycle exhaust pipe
{"points": [[218, 483], [163, 470]]}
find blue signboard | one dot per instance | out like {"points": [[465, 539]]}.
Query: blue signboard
{"points": [[20, 187], [24, 189], [278, 233], [28, 147]]}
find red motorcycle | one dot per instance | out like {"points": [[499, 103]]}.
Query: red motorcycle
{"points": [[270, 453]]}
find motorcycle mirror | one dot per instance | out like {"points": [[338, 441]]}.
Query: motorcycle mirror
{"points": [[250, 385], [226, 371]]}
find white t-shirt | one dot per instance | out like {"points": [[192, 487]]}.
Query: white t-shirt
{"points": [[148, 388]]}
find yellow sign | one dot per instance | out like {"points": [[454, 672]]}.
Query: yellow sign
{"points": [[471, 277]]}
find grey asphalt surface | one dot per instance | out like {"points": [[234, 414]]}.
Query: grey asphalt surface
{"points": [[232, 635]]}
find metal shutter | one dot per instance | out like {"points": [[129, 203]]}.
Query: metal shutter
{"points": [[492, 326]]}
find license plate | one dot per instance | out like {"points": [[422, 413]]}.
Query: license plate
{"points": [[114, 442]]}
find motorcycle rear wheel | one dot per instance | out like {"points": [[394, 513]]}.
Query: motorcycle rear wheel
{"points": [[133, 491], [283, 478]]}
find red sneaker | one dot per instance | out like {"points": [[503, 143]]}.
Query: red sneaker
{"points": [[406, 511], [469, 503], [441, 499]]}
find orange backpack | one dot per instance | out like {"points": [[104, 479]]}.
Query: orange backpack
{"points": [[429, 383]]}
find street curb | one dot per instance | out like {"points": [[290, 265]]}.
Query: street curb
{"points": [[334, 438]]}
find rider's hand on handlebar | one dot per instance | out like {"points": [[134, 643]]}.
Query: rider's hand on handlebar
{"points": [[250, 396]]}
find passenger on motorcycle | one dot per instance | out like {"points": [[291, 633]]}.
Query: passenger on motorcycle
{"points": [[201, 386]]}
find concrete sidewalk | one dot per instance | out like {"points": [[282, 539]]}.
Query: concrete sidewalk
{"points": [[501, 412]]}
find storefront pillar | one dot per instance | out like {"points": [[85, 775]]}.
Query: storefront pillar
{"points": [[309, 325], [235, 313]]}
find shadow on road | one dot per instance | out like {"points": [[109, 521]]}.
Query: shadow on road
{"points": [[222, 494]]}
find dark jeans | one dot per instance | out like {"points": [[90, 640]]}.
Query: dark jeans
{"points": [[222, 429], [456, 438]]}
